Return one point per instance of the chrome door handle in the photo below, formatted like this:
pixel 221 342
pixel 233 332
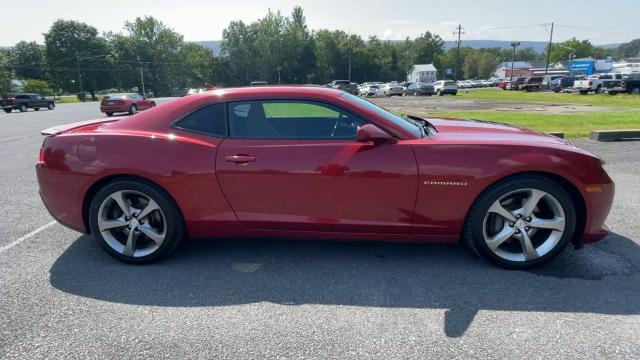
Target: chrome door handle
pixel 240 158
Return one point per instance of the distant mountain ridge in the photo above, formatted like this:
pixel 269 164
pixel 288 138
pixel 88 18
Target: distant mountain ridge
pixel 539 46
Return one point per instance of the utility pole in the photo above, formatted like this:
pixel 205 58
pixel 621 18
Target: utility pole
pixel 279 68
pixel 459 32
pixel 546 72
pixel 350 55
pixel 141 76
pixel 79 76
pixel 514 45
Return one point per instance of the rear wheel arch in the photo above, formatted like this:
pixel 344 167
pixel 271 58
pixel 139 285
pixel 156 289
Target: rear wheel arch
pixel 101 183
pixel 572 190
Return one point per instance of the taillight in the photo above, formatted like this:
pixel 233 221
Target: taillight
pixel 41 156
pixel 590 83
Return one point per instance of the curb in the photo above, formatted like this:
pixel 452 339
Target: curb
pixel 615 135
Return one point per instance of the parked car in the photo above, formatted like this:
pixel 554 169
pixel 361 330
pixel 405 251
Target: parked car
pixel 614 84
pixel 125 103
pixel 345 85
pixel 259 83
pixel 565 82
pixel 514 84
pixel 419 88
pixel 594 83
pixel 532 83
pixel 369 90
pixel 442 87
pixel 503 84
pixel 631 83
pixel 23 102
pixel 213 165
pixel 391 89
pixel 549 80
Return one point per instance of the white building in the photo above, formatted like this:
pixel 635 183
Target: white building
pixel 422 73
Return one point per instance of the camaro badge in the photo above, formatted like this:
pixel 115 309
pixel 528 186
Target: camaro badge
pixel 446 183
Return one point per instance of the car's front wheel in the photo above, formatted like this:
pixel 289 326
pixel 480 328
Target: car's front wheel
pixel 135 222
pixel 521 222
pixel 51 106
pixel 133 109
pixel 23 108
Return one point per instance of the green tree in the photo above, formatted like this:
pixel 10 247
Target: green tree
pixel 150 44
pixel 28 60
pixel 561 51
pixel 5 72
pixel 37 86
pixel 69 41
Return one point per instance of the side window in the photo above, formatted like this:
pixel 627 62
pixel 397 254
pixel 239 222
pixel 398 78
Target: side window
pixel 209 120
pixel 290 119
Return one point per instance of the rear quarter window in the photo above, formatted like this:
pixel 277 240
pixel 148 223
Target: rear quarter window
pixel 209 120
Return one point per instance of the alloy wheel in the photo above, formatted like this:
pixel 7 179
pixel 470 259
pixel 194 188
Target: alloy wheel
pixel 132 223
pixel 524 225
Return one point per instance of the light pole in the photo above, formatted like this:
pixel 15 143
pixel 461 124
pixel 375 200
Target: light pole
pixel 141 76
pixel 279 68
pixel 514 45
pixel 79 77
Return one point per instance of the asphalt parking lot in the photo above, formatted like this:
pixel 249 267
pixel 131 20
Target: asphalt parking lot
pixel 61 296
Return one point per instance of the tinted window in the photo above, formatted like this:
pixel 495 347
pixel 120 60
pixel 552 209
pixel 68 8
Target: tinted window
pixel 210 120
pixel 285 119
pixel 387 115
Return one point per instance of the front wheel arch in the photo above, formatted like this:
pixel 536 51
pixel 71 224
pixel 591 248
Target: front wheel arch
pixel 572 190
pixel 93 190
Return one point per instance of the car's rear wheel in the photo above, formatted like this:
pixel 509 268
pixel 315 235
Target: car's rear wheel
pixel 135 222
pixel 36 109
pixel 439 92
pixel 133 109
pixel 522 222
pixel 635 91
pixel 23 108
pixel 109 113
pixel 8 111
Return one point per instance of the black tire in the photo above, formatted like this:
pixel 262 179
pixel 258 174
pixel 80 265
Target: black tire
pixel 23 108
pixel 133 109
pixel 153 104
pixel 583 92
pixel 109 113
pixel 598 90
pixel 51 106
pixel 613 92
pixel 8 111
pixel 454 93
pixel 635 91
pixel 439 92
pixel 175 229
pixel 473 235
pixel 36 109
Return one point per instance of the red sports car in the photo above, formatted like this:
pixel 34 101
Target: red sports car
pixel 125 103
pixel 319 163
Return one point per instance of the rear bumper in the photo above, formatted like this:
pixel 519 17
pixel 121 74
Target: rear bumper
pixel 114 108
pixel 62 194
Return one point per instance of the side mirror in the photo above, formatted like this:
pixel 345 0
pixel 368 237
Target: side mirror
pixel 369 132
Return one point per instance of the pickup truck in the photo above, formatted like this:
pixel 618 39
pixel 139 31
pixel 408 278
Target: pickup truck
pixel 23 102
pixel 345 85
pixel 532 83
pixel 596 83
pixel 631 83
pixel 619 84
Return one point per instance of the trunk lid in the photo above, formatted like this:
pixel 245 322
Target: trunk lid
pixel 58 129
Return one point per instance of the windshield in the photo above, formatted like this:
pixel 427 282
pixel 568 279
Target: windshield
pixel 405 124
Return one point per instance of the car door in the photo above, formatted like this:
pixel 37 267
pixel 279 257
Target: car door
pixel 295 165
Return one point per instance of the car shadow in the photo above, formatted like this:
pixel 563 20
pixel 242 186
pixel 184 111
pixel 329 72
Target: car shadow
pixel 231 272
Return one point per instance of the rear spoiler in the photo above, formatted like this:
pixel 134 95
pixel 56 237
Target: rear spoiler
pixel 52 131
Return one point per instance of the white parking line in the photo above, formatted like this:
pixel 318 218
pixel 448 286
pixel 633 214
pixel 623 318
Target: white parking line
pixel 23 238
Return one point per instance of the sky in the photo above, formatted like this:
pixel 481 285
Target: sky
pixel 482 19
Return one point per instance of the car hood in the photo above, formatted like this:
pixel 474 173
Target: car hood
pixel 485 131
